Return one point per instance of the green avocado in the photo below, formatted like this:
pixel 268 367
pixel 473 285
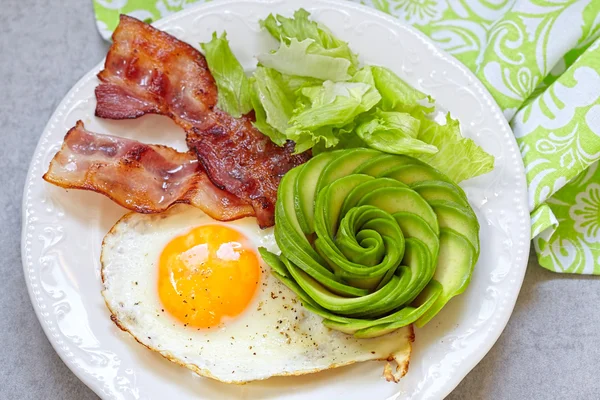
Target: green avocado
pixel 422 266
pixel 274 262
pixel 372 242
pixel 364 258
pixel 454 267
pixel 411 174
pixel 413 226
pixel 328 206
pixel 286 200
pixel 304 188
pixel 378 166
pixel 360 191
pixel 440 190
pixel 365 328
pixel 344 163
pixel 394 200
pixel 295 245
pixel 372 304
pixel 410 314
pixel 458 218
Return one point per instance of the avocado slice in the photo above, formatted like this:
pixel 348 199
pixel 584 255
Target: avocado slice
pixel 379 165
pixel 413 226
pixel 305 187
pixel 395 293
pixel 411 174
pixel 328 205
pixel 365 188
pixel 396 199
pixel 454 267
pixel 312 264
pixel 368 328
pixel 385 305
pixel 344 163
pixel 370 305
pixel 361 242
pixel 286 202
pixel 409 314
pixel 440 190
pixel 342 252
pixel 306 300
pixel 279 270
pixel 273 261
pixel 292 242
pixel 422 267
pixel 369 227
pixel 362 229
pixel 361 233
pixel 459 219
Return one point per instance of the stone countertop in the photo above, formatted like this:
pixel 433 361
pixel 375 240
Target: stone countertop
pixel 549 350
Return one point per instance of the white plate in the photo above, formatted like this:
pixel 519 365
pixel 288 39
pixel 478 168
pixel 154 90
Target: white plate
pixel 62 232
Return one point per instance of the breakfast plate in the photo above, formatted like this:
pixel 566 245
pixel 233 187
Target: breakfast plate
pixel 63 232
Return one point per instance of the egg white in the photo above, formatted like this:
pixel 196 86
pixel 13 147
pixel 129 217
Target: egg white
pixel 274 336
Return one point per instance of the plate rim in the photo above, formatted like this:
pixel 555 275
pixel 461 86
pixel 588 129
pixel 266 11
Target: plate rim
pixel 522 247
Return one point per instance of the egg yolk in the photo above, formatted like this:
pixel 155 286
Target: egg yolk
pixel 206 275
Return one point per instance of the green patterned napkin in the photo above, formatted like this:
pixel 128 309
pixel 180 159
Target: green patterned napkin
pixel 540 60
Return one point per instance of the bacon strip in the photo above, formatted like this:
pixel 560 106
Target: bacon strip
pixel 140 177
pixel 243 161
pixel 149 71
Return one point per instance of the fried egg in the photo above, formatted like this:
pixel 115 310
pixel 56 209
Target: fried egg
pixel 197 292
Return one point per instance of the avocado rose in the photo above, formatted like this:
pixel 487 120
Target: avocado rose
pixel 372 242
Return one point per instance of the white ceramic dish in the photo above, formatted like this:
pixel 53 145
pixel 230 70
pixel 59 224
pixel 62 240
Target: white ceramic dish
pixel 62 232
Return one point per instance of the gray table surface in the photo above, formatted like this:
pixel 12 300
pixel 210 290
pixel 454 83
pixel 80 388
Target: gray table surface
pixel 549 350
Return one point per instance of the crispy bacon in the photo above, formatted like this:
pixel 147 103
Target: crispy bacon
pixel 243 161
pixel 149 71
pixel 143 178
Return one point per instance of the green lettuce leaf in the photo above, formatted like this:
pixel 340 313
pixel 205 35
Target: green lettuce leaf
pixel 261 124
pixel 234 93
pixel 392 132
pixel 365 75
pixel 301 28
pixel 337 103
pixel 296 59
pixel 310 90
pixel 294 83
pixel 275 98
pixel 273 103
pixel 398 95
pixel 458 157
pixel 329 107
pixel 347 139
